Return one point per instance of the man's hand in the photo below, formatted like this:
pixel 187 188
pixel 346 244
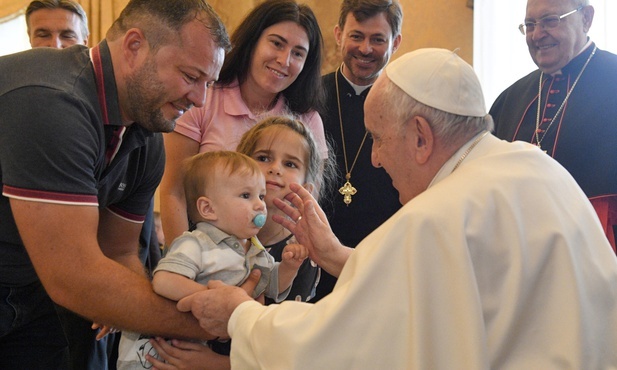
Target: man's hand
pixel 309 224
pixel 213 307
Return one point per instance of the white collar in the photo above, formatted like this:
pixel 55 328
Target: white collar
pixel 357 88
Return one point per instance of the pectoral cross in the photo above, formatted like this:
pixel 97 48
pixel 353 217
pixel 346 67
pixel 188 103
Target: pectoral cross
pixel 347 191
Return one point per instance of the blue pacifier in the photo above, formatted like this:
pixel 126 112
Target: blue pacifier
pixel 259 220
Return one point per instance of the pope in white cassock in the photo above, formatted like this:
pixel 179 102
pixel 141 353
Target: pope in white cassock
pixel 496 261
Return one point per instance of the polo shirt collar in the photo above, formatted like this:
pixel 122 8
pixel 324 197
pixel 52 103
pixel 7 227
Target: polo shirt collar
pixel 234 105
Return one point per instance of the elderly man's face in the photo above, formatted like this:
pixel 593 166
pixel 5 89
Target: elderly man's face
pixel 551 49
pixel 55 28
pixel 391 148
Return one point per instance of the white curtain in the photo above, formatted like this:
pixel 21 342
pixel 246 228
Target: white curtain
pixel 500 52
pixel 13 34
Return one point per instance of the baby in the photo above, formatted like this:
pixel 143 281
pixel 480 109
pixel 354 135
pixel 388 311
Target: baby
pixel 225 199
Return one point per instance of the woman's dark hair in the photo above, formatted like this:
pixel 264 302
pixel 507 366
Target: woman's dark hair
pixel 305 93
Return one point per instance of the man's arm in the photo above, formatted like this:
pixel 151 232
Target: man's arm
pixel 61 241
pixel 119 240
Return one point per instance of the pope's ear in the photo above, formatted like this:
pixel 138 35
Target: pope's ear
pixel 205 209
pixel 424 139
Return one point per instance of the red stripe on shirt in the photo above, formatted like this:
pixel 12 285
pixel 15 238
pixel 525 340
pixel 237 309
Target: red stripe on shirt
pixel 126 215
pixel 48 196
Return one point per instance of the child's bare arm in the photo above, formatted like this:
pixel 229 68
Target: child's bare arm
pixel 174 286
pixel 292 258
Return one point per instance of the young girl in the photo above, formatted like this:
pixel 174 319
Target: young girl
pixel 286 152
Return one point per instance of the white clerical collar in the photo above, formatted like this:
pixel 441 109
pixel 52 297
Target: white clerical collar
pixel 357 88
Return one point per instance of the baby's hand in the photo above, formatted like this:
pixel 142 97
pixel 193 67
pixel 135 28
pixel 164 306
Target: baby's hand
pixel 294 254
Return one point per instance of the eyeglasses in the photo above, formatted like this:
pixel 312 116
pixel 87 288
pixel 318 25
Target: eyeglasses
pixel 546 23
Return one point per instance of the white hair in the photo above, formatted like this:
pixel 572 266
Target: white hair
pixel 448 127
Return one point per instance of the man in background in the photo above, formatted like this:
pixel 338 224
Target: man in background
pixel 567 107
pixel 367 34
pixel 56 23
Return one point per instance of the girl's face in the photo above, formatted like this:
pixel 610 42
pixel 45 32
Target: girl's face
pixel 282 155
pixel 278 57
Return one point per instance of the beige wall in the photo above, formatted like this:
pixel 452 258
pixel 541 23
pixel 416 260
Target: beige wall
pixel 435 23
pixel 427 23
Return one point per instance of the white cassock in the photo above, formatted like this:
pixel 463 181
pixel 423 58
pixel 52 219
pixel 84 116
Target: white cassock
pixel 501 264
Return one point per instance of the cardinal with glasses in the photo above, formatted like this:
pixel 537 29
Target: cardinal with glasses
pixel 567 107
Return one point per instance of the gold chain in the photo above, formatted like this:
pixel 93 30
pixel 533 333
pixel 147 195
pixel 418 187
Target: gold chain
pixel 466 153
pixel 347 190
pixel 538 138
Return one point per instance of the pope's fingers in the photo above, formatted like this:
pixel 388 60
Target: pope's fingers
pixel 213 284
pixel 292 212
pixel 301 191
pixel 285 221
pixel 184 304
pixel 294 199
pixel 298 195
pixel 315 213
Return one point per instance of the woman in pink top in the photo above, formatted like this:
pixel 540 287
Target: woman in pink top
pixel 273 69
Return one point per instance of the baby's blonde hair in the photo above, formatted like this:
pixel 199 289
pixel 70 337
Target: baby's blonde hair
pixel 207 170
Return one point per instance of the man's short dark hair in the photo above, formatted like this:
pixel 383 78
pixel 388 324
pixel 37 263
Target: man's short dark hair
pixel 365 9
pixel 161 20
